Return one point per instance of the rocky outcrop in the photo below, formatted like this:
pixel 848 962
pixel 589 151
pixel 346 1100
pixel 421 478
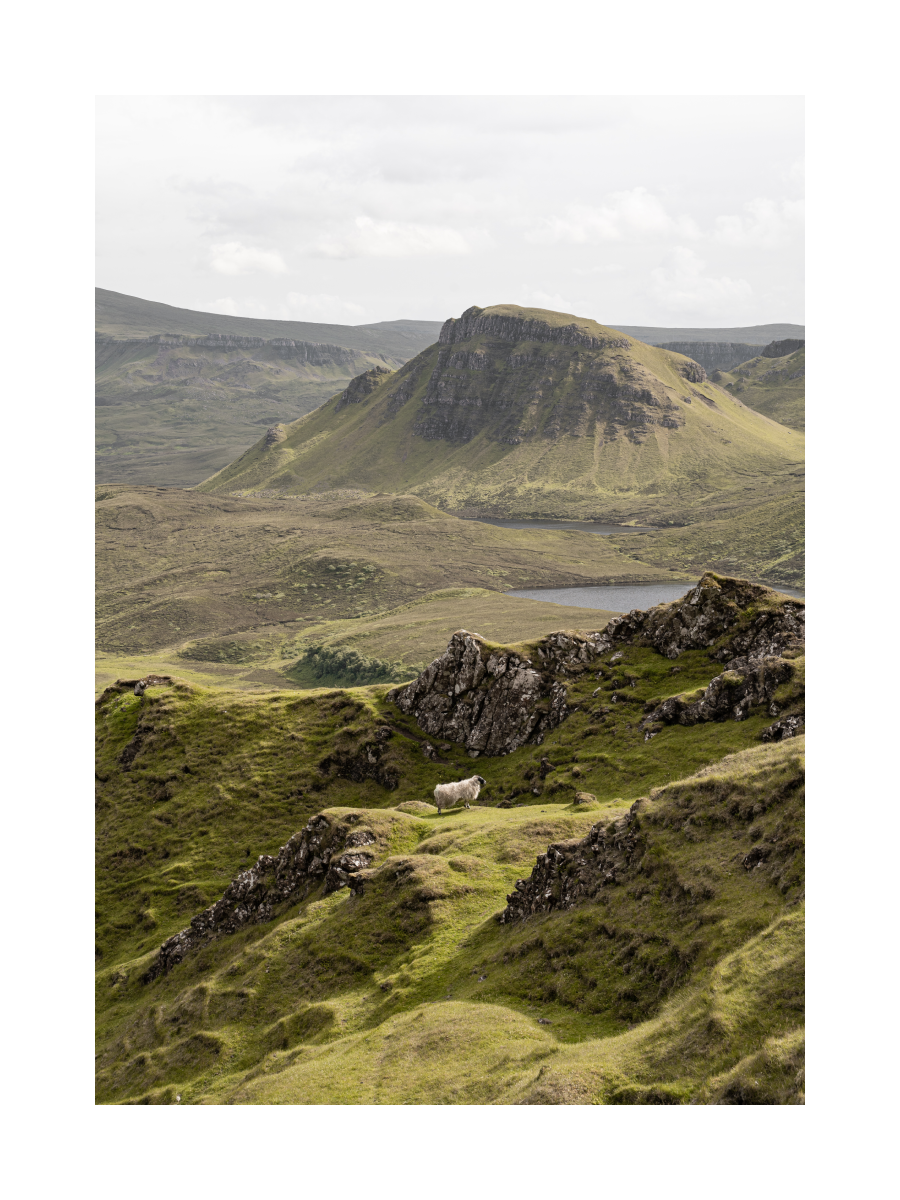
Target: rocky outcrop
pixel 760 623
pixel 493 701
pixel 515 329
pixel 276 434
pixel 362 386
pixel 730 696
pixel 318 354
pixel 330 849
pixel 572 871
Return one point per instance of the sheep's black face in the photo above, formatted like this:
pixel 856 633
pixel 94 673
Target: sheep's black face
pixel 479 779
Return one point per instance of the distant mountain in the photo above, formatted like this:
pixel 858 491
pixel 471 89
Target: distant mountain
pixel 754 335
pixel 531 413
pixel 121 316
pixel 180 393
pixel 772 383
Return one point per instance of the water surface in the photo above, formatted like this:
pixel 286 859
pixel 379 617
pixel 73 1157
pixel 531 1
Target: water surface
pixel 584 526
pixel 619 597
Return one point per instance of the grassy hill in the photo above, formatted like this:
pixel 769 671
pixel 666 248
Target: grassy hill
pixel 179 393
pixel 529 413
pixel 210 576
pixel 679 980
pixel 775 387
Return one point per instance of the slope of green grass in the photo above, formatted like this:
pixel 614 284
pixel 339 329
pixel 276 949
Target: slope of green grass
pixel 775 387
pixel 537 437
pixel 412 993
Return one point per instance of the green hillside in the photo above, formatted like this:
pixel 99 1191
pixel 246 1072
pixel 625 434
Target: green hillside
pixel 650 949
pixel 775 387
pixel 529 413
pixel 170 412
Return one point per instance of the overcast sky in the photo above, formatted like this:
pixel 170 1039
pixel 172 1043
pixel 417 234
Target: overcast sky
pixel 681 211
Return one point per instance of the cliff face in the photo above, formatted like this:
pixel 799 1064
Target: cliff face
pixel 516 378
pixel 714 356
pixel 493 701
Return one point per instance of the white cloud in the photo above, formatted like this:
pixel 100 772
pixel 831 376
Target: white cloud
pixel 320 307
pixel 234 258
pixel 634 213
pixel 682 287
pixel 368 238
pixel 764 223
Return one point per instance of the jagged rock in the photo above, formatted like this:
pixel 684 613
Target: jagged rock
pixel 363 385
pixel 276 434
pixel 494 701
pixel 732 694
pixel 787 727
pixel 576 870
pixel 328 849
pixel 716 606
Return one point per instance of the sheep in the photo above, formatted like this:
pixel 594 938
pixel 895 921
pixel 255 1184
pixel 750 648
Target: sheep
pixel 448 794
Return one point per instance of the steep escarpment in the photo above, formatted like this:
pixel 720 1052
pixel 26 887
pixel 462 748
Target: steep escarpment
pixel 526 412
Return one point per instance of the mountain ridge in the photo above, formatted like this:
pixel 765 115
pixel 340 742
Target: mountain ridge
pixel 525 413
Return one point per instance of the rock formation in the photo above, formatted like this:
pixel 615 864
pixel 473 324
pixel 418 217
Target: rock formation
pixel 494 700
pixel 330 849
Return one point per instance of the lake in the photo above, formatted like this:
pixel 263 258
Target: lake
pixel 584 526
pixel 619 597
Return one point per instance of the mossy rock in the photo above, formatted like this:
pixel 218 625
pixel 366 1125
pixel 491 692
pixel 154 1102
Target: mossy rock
pixel 584 802
pixel 416 806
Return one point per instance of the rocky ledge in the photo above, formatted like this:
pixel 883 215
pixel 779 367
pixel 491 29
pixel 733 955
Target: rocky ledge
pixel 475 321
pixel 329 849
pixel 493 700
pixel 363 385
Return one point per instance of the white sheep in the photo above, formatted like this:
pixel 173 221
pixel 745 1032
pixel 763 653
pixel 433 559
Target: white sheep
pixel 448 794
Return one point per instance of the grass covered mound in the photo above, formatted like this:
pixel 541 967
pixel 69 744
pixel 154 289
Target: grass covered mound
pixel 387 976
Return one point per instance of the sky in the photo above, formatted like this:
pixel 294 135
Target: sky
pixel 684 211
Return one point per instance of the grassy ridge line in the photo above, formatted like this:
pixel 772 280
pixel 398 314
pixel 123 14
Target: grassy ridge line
pixel 123 316
pixel 174 566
